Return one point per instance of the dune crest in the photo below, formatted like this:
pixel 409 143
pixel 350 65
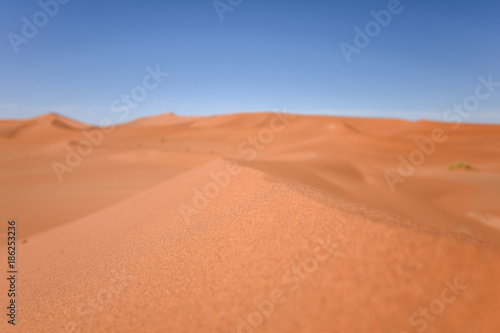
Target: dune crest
pixel 250 245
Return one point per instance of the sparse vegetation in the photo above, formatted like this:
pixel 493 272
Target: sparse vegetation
pixel 460 165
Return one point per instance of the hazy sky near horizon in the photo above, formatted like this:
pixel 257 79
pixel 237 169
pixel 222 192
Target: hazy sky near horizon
pixel 84 58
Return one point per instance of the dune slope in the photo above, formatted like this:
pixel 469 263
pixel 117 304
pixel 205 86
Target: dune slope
pixel 263 255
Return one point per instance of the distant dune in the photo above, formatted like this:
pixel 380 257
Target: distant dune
pixel 42 127
pixel 166 119
pixel 189 224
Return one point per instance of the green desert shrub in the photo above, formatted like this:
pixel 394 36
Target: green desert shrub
pixel 460 165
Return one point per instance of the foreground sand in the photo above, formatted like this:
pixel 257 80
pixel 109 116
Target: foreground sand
pixel 158 229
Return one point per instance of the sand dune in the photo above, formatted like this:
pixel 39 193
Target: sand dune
pixel 166 119
pixel 208 273
pixel 253 223
pixel 47 126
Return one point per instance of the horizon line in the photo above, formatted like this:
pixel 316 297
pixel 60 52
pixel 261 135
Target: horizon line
pixel 64 116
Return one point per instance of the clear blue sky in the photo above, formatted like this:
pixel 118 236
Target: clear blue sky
pixel 264 55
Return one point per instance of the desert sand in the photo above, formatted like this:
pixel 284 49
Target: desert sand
pixel 262 222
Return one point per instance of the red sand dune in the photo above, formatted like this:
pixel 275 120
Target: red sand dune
pixel 157 229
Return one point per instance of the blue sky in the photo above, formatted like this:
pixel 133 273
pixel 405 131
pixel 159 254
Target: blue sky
pixel 264 55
